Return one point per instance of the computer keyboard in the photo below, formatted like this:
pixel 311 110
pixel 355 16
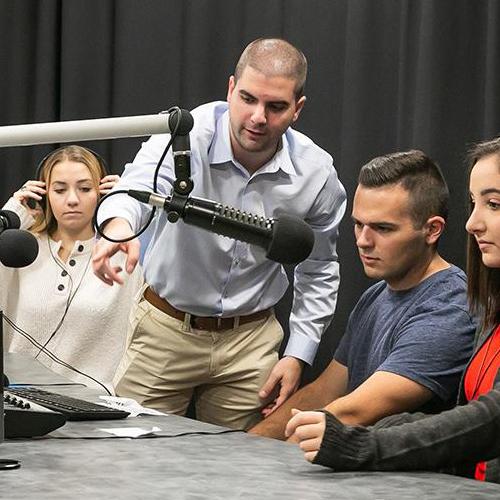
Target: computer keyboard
pixel 72 408
pixel 24 419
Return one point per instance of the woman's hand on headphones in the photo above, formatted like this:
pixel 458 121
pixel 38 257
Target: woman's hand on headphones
pixel 108 183
pixel 31 190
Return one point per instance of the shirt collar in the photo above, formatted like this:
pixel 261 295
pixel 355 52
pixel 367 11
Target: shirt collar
pixel 221 152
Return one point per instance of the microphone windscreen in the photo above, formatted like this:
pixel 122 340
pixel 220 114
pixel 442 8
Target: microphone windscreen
pixel 13 221
pixel 182 119
pixel 292 241
pixel 18 248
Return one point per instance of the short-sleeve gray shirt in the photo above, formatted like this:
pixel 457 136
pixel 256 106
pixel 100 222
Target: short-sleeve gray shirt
pixel 424 334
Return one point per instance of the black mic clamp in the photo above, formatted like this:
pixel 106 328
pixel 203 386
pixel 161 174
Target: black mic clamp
pixel 181 123
pixel 175 206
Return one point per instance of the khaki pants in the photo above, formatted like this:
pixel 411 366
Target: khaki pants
pixel 164 366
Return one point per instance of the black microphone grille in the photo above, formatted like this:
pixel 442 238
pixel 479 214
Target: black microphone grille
pixel 18 248
pixel 182 119
pixel 292 241
pixel 12 219
pixel 235 214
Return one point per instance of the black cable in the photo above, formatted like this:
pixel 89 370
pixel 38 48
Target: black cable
pixel 43 348
pixel 155 436
pixel 155 187
pixel 50 354
pixel 71 295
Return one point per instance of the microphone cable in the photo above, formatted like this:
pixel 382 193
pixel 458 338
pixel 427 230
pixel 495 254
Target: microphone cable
pixel 42 347
pixel 50 354
pixel 173 135
pixel 71 295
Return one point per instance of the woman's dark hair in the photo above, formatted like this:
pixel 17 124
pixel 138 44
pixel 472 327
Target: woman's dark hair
pixel 483 283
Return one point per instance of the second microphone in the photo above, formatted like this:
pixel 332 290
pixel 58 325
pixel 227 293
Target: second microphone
pixel 286 239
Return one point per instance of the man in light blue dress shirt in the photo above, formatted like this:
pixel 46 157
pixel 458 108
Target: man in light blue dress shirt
pixel 205 326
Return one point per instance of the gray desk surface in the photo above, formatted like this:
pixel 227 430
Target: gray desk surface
pixel 195 466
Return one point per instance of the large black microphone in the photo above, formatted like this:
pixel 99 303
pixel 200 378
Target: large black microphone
pixel 9 220
pixel 286 239
pixel 18 248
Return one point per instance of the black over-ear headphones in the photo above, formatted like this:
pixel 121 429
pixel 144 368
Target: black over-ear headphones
pixel 38 172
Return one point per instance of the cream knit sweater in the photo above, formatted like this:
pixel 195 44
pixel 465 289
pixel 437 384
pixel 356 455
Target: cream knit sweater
pixel 92 335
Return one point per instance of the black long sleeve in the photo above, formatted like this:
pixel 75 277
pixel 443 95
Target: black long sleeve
pixel 469 433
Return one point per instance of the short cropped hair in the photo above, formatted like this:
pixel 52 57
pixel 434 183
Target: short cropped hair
pixel 418 174
pixel 275 57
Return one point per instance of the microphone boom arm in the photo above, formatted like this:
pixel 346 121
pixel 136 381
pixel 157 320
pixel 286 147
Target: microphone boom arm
pixel 84 130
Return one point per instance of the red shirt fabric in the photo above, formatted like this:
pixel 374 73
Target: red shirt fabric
pixel 480 377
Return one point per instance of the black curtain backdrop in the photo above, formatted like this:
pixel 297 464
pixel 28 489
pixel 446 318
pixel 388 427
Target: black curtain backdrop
pixel 384 75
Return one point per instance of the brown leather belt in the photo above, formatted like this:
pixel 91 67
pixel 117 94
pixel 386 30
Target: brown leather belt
pixel 202 322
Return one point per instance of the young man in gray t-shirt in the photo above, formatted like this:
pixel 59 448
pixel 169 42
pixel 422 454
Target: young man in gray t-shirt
pixel 409 336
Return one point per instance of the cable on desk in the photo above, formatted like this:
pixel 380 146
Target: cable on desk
pixel 154 436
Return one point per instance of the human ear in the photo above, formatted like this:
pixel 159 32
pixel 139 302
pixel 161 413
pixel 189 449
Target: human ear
pixel 298 107
pixel 434 228
pixel 230 87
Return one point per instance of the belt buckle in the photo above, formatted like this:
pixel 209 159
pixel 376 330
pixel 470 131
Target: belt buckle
pixel 186 324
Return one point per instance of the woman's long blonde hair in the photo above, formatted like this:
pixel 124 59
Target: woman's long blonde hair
pixel 45 221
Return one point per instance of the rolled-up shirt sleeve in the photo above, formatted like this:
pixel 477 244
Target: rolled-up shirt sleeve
pixel 316 280
pixel 139 175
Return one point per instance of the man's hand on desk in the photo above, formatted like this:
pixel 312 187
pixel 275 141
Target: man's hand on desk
pixel 104 250
pixel 283 380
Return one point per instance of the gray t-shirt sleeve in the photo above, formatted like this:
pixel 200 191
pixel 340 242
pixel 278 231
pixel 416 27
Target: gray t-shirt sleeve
pixel 431 349
pixel 354 331
pixel 342 353
pixel 424 334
